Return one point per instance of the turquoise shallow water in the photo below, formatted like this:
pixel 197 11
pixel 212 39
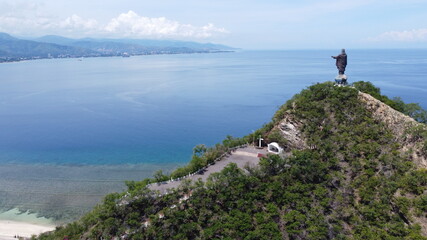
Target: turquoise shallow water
pixel 83 127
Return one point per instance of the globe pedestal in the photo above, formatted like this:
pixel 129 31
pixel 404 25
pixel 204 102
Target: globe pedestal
pixel 341 80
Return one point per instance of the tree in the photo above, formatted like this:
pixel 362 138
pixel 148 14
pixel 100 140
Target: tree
pixel 159 176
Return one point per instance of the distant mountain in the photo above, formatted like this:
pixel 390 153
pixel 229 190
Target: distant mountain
pixel 93 43
pixel 52 46
pixel 13 49
pixel 55 39
pixel 5 36
pixel 172 43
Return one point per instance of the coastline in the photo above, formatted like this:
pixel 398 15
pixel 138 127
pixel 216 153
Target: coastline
pixel 14 223
pixel 63 193
pixel 9 229
pixel 103 56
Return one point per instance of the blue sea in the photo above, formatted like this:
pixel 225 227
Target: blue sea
pixel 124 118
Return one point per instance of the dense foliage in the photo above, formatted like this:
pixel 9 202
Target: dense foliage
pixel 354 182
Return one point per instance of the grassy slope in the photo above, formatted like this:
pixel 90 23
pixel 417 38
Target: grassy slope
pixel 353 183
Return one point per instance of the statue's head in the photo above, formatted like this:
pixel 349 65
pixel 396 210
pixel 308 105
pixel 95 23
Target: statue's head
pixel 343 50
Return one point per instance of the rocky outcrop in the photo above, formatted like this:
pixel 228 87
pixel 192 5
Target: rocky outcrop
pixel 397 121
pixel 290 129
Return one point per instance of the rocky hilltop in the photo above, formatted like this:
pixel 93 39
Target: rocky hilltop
pixel 353 167
pixel 397 122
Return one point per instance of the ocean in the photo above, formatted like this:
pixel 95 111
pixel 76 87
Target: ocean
pixel 73 130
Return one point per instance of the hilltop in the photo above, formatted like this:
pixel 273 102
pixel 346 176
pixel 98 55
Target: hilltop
pixel 354 167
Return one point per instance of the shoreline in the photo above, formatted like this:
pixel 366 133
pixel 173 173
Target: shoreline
pixel 105 56
pixel 10 228
pixel 24 224
pixel 63 193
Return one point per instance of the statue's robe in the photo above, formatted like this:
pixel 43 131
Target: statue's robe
pixel 341 62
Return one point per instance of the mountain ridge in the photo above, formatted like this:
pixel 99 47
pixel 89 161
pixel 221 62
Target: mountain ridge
pixel 143 42
pixel 5 36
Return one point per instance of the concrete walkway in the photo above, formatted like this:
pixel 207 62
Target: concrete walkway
pixel 241 157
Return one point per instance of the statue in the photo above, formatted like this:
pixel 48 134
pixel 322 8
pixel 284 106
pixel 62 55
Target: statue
pixel 341 63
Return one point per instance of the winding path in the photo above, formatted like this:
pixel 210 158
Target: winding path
pixel 240 156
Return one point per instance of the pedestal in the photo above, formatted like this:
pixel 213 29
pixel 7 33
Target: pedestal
pixel 341 80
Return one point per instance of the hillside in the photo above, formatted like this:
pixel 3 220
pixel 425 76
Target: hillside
pixel 13 49
pixel 354 167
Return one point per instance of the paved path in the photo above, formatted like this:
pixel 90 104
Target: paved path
pixel 241 156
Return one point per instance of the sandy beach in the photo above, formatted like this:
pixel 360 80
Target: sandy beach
pixel 9 229
pixel 13 223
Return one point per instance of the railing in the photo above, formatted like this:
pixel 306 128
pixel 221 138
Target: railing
pixel 229 151
pixel 203 168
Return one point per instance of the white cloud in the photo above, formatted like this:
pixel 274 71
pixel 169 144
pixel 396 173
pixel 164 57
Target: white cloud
pixel 414 35
pixel 300 11
pixel 131 24
pixel 128 24
pixel 47 25
pixel 18 25
pixel 76 22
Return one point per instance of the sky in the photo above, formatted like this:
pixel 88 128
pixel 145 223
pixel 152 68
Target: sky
pixel 247 24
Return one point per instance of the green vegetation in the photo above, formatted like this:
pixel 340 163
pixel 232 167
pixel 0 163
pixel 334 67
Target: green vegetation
pixel 354 183
pixel 202 157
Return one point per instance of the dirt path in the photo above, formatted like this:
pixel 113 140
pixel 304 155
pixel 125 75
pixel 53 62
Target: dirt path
pixel 241 156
